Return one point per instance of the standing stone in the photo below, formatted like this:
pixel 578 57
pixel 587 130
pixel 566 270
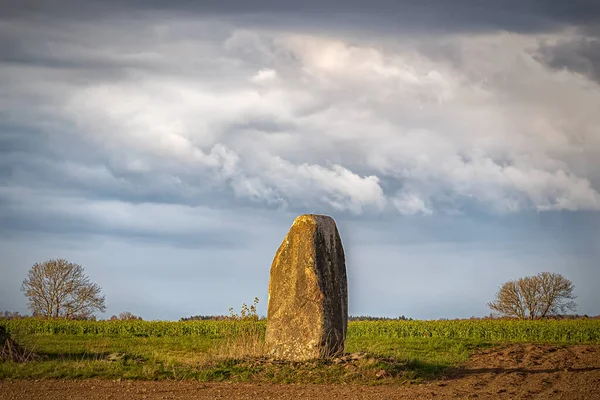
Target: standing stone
pixel 307 313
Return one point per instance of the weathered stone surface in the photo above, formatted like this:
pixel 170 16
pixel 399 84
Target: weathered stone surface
pixel 307 313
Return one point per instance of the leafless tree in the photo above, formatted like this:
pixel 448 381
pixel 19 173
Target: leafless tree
pixel 11 315
pixel 538 296
pixel 556 293
pixel 125 316
pixel 60 289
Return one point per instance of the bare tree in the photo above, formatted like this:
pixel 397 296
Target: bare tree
pixel 509 301
pixel 11 315
pixel 125 316
pixel 532 297
pixel 556 294
pixel 60 289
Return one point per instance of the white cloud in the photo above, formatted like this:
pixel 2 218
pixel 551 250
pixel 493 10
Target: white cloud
pixel 410 204
pixel 324 122
pixel 264 76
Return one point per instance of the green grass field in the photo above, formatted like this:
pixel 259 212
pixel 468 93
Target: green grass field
pixel 197 357
pixel 201 350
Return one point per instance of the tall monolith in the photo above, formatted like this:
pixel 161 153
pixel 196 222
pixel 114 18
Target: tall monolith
pixel 307 314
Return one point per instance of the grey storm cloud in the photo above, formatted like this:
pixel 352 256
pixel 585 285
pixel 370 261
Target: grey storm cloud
pixel 172 143
pixel 31 213
pixel 194 110
pixel 580 55
pixel 195 103
pixel 460 15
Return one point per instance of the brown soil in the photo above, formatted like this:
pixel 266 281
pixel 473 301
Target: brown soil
pixel 514 372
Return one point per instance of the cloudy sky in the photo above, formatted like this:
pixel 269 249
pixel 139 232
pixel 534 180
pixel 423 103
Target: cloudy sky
pixel 168 148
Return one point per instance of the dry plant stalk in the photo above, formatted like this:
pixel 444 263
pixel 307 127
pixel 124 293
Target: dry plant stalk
pixel 11 351
pixel 245 345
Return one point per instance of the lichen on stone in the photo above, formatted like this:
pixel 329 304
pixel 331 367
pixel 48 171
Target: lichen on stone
pixel 307 313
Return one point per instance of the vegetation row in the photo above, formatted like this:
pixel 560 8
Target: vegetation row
pixel 557 331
